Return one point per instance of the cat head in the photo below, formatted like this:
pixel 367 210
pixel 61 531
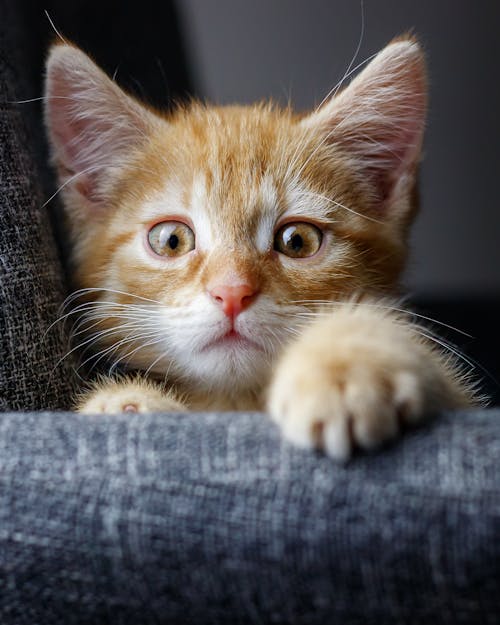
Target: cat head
pixel 208 233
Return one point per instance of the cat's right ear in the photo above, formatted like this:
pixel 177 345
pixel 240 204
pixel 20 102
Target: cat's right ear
pixel 93 126
pixel 377 122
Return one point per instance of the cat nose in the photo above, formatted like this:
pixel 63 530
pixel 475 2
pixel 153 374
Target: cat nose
pixel 233 299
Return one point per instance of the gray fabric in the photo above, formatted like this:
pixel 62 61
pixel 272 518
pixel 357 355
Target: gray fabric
pixel 31 287
pixel 213 520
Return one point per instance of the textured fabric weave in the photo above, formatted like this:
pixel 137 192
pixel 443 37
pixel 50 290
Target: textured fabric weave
pixel 214 520
pixel 31 288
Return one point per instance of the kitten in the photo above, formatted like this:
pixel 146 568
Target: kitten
pixel 240 257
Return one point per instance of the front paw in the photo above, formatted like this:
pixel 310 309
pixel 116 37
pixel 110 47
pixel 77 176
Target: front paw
pixel 118 396
pixel 348 383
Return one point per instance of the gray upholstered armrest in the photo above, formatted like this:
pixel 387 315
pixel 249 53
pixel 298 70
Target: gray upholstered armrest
pixel 213 519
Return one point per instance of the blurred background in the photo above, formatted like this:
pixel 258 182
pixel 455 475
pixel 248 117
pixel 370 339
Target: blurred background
pixel 296 50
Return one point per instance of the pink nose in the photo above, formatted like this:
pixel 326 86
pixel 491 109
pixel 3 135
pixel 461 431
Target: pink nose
pixel 233 299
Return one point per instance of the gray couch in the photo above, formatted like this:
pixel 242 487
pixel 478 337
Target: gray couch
pixel 209 518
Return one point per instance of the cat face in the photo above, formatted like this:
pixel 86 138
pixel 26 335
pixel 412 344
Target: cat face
pixel 208 235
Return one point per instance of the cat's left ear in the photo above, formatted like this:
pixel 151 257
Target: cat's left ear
pixel 93 126
pixel 377 122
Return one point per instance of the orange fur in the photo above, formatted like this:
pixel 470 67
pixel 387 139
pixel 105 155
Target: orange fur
pixel 235 175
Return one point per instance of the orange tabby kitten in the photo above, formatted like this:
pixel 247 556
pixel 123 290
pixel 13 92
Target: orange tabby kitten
pixel 237 256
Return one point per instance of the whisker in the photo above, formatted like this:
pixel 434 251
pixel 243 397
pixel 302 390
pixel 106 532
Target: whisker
pixel 93 321
pixel 87 170
pixel 162 355
pixel 86 291
pixel 70 180
pixel 54 27
pixel 108 350
pixel 89 307
pixel 40 98
pixel 339 204
pixel 445 345
pixel 103 334
pixel 410 313
pixel 355 56
pixel 129 355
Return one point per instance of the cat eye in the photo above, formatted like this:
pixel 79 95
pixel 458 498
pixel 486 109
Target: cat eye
pixel 298 240
pixel 171 238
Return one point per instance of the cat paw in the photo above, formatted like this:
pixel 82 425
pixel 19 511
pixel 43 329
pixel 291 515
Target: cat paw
pixel 115 397
pixel 343 385
pixel 353 407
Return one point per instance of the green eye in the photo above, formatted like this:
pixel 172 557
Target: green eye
pixel 298 240
pixel 171 238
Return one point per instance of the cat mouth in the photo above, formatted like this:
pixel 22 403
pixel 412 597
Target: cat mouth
pixel 232 340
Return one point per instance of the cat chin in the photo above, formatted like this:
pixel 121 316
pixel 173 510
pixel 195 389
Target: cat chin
pixel 227 369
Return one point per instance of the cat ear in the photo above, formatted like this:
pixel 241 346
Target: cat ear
pixel 93 126
pixel 378 123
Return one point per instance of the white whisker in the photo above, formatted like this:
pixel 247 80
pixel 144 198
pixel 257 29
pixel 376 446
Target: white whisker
pixel 87 291
pixel 87 170
pixel 349 67
pixel 128 355
pixel 54 27
pixel 115 346
pixel 410 313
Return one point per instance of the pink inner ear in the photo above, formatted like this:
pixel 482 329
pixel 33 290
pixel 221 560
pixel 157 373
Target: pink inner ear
pixel 378 119
pixel 73 134
pixel 384 137
pixel 62 117
pixel 394 150
pixel 92 124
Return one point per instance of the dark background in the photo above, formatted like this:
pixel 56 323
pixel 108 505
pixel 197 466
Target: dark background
pixel 246 50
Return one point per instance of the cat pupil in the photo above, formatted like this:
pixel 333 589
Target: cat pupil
pixel 297 243
pixel 173 241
